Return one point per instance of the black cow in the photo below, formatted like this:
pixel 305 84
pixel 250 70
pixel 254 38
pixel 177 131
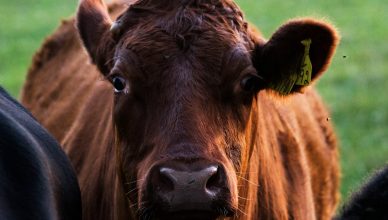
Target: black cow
pixel 36 178
pixel 371 202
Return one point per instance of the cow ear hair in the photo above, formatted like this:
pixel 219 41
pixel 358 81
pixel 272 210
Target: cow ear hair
pixel 297 47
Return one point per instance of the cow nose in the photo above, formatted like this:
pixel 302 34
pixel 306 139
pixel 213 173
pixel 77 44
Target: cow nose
pixel 189 187
pixel 204 181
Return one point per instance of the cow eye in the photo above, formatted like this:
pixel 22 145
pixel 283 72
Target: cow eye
pixel 119 83
pixel 251 83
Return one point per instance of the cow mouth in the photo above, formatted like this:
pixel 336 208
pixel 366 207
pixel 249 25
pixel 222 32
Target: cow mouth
pixel 158 214
pixel 189 215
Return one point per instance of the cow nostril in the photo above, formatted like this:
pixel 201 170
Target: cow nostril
pixel 213 183
pixel 163 181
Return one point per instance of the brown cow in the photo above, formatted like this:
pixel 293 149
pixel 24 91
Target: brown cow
pixel 190 114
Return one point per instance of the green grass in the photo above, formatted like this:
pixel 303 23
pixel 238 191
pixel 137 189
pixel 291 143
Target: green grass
pixel 23 26
pixel 355 87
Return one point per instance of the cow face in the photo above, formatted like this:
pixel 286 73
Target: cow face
pixel 185 76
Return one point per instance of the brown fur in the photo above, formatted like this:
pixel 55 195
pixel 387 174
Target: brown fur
pixel 184 62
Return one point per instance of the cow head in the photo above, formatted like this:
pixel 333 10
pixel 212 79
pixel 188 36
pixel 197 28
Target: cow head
pixel 186 77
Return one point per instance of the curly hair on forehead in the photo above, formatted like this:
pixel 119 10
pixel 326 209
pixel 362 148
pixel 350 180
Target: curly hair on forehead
pixel 183 19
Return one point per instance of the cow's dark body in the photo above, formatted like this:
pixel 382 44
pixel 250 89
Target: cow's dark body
pixel 371 201
pixel 36 178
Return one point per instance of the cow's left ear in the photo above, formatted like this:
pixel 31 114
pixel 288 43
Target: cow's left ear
pixel 297 54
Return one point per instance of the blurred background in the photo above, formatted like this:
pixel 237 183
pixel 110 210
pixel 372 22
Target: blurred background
pixel 355 87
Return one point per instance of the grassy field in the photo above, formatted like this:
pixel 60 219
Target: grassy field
pixel 355 87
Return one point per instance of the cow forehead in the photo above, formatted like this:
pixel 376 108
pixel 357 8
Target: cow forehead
pixel 184 23
pixel 178 7
pixel 198 35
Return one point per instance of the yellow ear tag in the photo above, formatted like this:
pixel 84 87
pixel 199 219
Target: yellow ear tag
pixel 304 76
pixel 285 86
pixel 301 75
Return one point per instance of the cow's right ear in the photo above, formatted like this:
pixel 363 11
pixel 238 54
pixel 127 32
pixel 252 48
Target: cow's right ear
pixel 94 23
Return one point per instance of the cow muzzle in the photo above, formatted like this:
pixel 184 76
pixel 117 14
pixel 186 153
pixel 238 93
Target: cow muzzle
pixel 182 190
